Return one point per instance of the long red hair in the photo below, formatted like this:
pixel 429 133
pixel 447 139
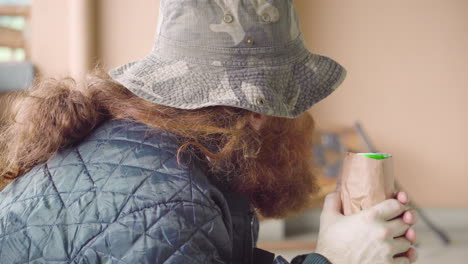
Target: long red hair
pixel 55 114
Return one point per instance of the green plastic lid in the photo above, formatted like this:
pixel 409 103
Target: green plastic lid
pixel 377 156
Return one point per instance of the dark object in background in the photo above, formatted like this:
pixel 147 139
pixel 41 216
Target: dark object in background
pixel 328 153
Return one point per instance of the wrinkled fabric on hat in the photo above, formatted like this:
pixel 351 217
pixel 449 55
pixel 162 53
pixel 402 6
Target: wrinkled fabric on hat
pixel 248 54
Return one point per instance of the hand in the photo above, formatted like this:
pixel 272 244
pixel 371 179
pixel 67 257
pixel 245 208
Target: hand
pixel 376 235
pixel 410 218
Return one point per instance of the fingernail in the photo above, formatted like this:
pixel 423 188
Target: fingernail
pixel 404 197
pixel 411 236
pixel 409 217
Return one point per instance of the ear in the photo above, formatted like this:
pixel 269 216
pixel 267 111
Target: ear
pixel 257 120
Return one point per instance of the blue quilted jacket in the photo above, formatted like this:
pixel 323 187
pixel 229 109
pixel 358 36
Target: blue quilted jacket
pixel 119 196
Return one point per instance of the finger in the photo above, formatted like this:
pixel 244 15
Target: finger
pixel 401 260
pixel 388 209
pixel 396 228
pixel 338 184
pixel 400 245
pixel 411 235
pixel 412 255
pixel 410 217
pixel 332 203
pixel 402 197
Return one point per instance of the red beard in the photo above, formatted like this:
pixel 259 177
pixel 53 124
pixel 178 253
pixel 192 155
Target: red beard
pixel 279 177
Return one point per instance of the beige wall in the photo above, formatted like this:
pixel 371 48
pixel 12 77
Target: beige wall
pixel 49 36
pixel 406 82
pixel 124 32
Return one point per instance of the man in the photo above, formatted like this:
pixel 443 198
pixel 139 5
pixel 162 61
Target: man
pixel 170 160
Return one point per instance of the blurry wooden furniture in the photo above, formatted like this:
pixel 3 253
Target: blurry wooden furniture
pixel 15 75
pixel 14 10
pixel 14 38
pixel 329 149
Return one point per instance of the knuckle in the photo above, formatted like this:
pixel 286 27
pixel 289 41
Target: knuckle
pixel 395 205
pixel 387 252
pixel 372 214
pixel 401 225
pixel 404 244
pixel 385 233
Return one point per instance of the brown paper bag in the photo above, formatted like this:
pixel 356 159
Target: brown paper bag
pixel 365 181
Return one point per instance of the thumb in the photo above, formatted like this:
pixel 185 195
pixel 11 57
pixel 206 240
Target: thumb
pixel 332 203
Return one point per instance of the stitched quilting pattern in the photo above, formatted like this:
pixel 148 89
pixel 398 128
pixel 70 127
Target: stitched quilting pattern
pixel 117 197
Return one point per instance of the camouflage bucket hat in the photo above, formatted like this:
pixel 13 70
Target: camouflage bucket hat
pixel 248 54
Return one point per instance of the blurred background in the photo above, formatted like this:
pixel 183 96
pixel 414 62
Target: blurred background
pixel 407 84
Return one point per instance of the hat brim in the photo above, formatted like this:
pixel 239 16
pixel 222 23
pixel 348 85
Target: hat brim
pixel 281 90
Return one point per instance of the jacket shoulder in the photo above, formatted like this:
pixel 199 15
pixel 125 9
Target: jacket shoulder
pixel 123 172
pixel 131 160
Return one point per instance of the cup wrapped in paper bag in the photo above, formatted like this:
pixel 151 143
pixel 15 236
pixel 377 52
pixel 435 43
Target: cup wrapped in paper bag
pixel 366 180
